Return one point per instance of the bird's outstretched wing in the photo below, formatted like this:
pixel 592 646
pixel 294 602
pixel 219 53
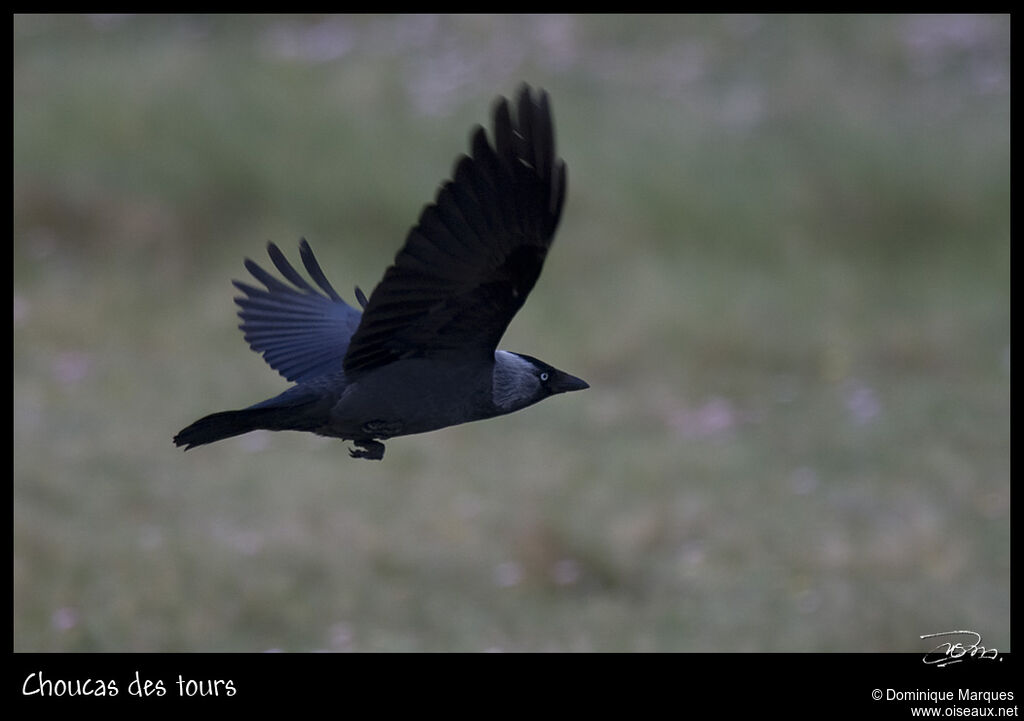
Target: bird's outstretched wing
pixel 468 265
pixel 301 332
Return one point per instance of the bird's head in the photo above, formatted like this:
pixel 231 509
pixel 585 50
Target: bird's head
pixel 521 380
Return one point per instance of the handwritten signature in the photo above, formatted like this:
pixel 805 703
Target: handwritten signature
pixel 950 652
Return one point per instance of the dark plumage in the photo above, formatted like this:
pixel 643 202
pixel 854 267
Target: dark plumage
pixel 422 354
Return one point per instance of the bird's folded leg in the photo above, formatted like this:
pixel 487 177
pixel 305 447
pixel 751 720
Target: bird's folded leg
pixel 370 450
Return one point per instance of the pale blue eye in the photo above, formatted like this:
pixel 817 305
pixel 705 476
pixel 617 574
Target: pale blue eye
pixel 544 376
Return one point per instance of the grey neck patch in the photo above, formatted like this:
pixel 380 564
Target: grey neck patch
pixel 515 381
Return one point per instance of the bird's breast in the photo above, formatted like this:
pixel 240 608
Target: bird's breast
pixel 413 396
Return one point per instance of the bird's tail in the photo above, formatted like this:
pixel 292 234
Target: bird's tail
pixel 218 426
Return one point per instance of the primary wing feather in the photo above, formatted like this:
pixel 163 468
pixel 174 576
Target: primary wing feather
pixel 469 263
pixel 301 332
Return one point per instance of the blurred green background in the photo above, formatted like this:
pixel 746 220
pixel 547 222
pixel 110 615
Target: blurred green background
pixel 783 267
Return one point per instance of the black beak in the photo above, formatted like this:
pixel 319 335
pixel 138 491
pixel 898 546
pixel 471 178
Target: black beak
pixel 563 382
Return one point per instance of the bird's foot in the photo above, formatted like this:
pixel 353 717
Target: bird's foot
pixel 370 450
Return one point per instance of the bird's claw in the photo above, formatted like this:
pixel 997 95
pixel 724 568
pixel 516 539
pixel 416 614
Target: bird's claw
pixel 370 450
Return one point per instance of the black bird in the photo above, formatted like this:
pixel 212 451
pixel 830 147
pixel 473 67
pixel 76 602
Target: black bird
pixel 423 353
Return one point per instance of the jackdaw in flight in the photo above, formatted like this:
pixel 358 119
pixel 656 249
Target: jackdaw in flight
pixel 422 354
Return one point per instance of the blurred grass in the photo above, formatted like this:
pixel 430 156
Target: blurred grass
pixel 783 268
